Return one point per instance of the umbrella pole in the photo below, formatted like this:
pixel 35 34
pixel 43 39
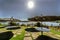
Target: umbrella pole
pixel 41 32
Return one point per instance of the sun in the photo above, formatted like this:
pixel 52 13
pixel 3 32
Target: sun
pixel 30 4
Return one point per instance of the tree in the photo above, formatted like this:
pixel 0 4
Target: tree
pixel 38 24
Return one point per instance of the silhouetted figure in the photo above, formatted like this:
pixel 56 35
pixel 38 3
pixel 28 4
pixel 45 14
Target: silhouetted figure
pixel 38 24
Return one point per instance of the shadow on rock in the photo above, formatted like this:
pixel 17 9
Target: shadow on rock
pixel 43 37
pixel 31 30
pixel 6 35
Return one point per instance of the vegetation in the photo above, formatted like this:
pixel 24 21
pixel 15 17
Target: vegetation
pixel 12 23
pixel 2 24
pixel 23 25
pixel 38 24
pixel 44 18
pixel 55 32
pixel 19 37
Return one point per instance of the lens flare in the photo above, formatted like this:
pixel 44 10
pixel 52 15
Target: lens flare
pixel 30 4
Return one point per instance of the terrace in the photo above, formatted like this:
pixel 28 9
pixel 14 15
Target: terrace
pixel 30 34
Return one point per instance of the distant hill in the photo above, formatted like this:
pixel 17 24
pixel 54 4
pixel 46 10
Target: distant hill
pixel 44 18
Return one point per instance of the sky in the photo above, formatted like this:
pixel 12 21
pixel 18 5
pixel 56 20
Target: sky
pixel 19 9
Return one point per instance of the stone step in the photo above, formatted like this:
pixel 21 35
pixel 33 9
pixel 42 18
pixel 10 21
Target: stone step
pixel 27 38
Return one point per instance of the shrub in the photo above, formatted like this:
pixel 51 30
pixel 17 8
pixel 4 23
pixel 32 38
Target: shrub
pixel 12 23
pixel 23 25
pixel 38 24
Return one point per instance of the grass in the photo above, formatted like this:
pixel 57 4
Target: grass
pixel 55 32
pixel 2 24
pixel 19 37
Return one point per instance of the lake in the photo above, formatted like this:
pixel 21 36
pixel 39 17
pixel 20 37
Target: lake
pixel 45 23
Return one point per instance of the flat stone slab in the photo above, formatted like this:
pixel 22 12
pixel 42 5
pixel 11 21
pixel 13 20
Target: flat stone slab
pixel 14 35
pixel 35 35
pixel 27 38
pixel 27 34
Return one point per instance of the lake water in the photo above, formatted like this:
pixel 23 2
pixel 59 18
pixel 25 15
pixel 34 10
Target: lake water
pixel 45 23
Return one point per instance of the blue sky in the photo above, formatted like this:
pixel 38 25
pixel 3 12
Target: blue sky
pixel 18 8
